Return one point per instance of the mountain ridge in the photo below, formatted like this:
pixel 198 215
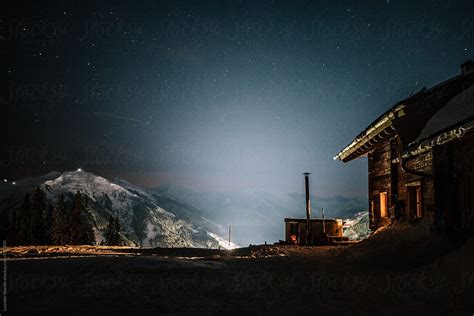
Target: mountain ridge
pixel 145 222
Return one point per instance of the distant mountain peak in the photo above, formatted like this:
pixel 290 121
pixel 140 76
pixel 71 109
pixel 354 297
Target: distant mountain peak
pixel 145 221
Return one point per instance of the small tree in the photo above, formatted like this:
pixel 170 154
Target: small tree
pixel 112 232
pixel 22 222
pixel 48 223
pixel 37 226
pixel 59 231
pixel 5 220
pixel 12 229
pixel 80 222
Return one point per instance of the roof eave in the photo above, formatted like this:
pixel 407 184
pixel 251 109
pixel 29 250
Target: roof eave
pixel 361 144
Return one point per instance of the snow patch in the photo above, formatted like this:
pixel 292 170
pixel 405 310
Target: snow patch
pixel 357 227
pixel 222 242
pixel 151 232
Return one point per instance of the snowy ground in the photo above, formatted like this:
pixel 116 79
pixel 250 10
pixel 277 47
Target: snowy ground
pixel 400 271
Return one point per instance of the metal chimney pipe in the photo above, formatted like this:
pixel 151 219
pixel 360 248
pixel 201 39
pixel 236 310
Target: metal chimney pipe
pixel 308 208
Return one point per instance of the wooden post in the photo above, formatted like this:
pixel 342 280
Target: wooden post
pixel 308 209
pixel 324 224
pixel 230 228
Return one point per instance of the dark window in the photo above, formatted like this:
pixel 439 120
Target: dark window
pixel 415 202
pixel 294 229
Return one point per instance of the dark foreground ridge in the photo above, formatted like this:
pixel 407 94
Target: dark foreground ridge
pixel 400 269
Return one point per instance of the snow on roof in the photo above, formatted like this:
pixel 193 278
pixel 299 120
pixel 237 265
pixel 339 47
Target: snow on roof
pixel 440 139
pixel 455 112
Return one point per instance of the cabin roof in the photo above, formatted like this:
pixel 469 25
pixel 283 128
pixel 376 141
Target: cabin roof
pixel 457 110
pixel 407 118
pixel 452 121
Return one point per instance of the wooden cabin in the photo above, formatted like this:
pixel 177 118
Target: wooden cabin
pixel 312 231
pixel 421 158
pixel 295 230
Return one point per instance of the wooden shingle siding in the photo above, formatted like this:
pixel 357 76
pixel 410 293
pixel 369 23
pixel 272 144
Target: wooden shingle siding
pixel 380 179
pixel 385 175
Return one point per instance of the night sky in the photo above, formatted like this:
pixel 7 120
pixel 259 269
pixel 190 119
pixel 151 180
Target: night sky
pixel 218 95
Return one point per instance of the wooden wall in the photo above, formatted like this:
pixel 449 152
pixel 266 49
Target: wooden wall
pixel 333 227
pixel 386 174
pixel 454 169
pixel 445 175
pixel 423 164
pixel 379 181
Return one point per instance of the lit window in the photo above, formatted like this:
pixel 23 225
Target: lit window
pixel 383 204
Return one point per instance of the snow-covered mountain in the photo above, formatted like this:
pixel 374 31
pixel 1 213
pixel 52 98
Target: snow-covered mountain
pixel 144 220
